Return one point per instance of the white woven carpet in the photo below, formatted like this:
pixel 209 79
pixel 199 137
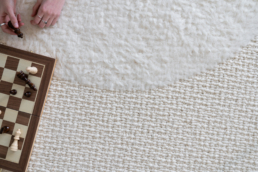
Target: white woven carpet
pixel 117 44
pixel 206 123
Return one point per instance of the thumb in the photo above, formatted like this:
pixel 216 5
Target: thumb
pixel 14 21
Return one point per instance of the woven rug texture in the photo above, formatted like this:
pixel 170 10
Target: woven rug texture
pixel 206 123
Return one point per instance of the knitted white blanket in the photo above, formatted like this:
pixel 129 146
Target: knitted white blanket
pixel 116 44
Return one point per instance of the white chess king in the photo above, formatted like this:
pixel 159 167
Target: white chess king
pixel 32 70
pixel 14 146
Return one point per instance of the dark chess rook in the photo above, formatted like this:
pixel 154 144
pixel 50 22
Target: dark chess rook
pixel 22 76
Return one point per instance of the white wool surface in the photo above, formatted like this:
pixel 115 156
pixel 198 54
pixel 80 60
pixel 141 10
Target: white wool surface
pixel 141 44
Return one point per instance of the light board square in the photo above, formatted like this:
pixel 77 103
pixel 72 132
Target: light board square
pixel 26 106
pixel 4 99
pixel 10 115
pixel 20 90
pixel 8 75
pixel 23 129
pixel 3 58
pixel 23 64
pixel 13 156
pixel 5 139
pixel 35 80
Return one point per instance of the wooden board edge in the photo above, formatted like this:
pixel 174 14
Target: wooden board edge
pixel 10 48
pixel 41 115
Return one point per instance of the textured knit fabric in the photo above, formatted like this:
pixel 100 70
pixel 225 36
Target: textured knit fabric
pixel 206 123
pixel 139 44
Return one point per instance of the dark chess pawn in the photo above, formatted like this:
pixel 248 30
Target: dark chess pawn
pixel 13 92
pixel 27 94
pixel 4 129
pixel 16 30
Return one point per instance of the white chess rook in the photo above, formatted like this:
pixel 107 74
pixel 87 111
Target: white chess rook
pixel 14 146
pixel 32 70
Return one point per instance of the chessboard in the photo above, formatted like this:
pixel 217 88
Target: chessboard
pixel 19 111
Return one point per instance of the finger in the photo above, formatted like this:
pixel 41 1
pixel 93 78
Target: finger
pixel 37 19
pixel 19 20
pixel 42 23
pixel 11 14
pixel 50 21
pixel 54 21
pixel 21 24
pixel 7 19
pixel 6 29
pixel 35 9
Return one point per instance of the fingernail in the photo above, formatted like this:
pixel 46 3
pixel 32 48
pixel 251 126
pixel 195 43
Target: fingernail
pixel 16 25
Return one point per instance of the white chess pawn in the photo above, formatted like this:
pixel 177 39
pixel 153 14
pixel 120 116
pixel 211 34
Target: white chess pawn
pixel 14 146
pixel 32 70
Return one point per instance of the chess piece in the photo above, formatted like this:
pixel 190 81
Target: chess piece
pixel 22 76
pixel 4 129
pixel 32 70
pixel 0 112
pixel 16 30
pixel 14 146
pixel 27 94
pixel 13 92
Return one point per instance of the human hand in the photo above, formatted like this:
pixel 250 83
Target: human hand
pixel 7 13
pixel 46 11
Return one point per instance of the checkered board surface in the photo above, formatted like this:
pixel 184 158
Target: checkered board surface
pixel 16 109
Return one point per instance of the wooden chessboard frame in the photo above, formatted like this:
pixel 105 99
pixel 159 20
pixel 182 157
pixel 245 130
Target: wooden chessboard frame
pixel 38 108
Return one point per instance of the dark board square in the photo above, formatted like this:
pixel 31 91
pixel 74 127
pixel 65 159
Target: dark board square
pixel 1 72
pixel 3 151
pixel 33 94
pixel 19 81
pixel 3 111
pixel 12 63
pixel 8 124
pixel 14 103
pixel 40 69
pixel 23 118
pixel 20 142
pixel 5 87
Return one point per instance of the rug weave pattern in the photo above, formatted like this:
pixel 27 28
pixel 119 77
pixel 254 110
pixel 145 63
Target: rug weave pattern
pixel 207 123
